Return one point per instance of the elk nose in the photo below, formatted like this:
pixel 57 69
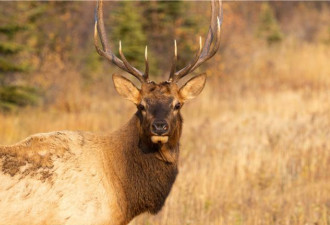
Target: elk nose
pixel 159 127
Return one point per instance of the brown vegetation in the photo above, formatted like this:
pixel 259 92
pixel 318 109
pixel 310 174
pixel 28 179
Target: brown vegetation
pixel 257 151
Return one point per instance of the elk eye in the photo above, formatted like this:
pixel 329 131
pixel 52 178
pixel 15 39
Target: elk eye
pixel 141 107
pixel 177 106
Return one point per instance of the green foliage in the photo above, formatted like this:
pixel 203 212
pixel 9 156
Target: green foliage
pixel 166 21
pixel 184 27
pixel 128 29
pixel 10 48
pixel 269 28
pixel 14 56
pixel 169 12
pixel 13 96
pixel 9 51
pixel 11 29
pixel 92 66
pixel 9 67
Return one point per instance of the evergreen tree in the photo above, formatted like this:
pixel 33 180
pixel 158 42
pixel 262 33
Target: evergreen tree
pixel 127 27
pixel 169 20
pixel 269 28
pixel 14 59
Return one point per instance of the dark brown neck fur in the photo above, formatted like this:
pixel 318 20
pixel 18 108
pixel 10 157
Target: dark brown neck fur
pixel 145 180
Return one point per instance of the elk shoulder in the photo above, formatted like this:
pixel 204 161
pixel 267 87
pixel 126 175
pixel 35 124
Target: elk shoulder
pixel 54 178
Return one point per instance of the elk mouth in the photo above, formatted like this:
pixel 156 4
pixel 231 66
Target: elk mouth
pixel 159 139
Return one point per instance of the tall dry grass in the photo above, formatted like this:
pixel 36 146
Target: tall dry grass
pixel 255 146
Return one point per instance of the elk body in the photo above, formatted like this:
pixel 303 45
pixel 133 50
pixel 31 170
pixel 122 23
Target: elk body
pixel 82 178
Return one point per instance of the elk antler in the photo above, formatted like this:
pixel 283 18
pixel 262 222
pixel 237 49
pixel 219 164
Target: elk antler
pixel 205 52
pixel 109 55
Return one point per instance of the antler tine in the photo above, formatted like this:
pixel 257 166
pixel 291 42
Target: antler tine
pixel 214 50
pixel 175 57
pixel 146 71
pixel 215 27
pixel 129 67
pixel 100 23
pixel 106 51
pixel 204 52
pixel 186 69
pixel 99 29
pixel 109 56
pixel 208 54
pixel 210 34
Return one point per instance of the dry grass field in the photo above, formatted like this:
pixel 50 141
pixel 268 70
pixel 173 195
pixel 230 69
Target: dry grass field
pixel 255 146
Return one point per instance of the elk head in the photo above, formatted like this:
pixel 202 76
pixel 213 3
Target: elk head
pixel 158 105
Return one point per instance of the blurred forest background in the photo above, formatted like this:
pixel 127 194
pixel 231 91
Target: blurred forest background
pixel 256 143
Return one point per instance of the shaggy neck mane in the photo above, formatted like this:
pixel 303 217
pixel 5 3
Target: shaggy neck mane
pixel 146 179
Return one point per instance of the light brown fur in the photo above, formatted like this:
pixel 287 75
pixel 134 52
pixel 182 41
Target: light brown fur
pixel 53 178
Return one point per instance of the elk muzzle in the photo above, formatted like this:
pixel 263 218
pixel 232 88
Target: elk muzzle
pixel 159 129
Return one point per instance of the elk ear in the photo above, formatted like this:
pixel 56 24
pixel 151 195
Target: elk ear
pixel 193 87
pixel 126 88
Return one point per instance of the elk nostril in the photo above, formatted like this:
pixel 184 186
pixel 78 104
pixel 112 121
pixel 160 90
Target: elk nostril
pixel 160 127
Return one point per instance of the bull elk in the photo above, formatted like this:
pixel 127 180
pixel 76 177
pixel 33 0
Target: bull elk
pixel 82 178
